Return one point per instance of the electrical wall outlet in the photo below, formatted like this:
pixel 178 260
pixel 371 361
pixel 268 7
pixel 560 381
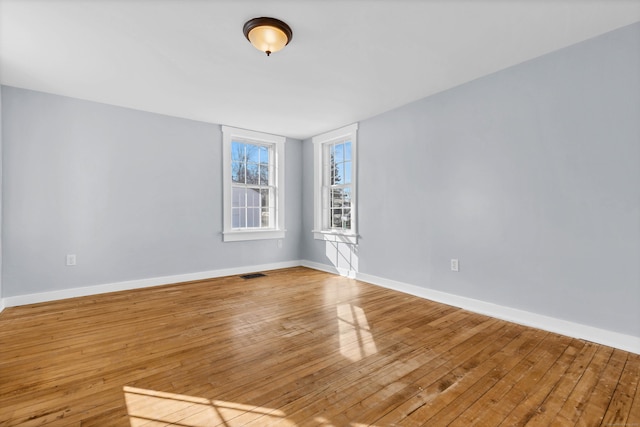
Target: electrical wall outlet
pixel 454 264
pixel 279 243
pixel 71 259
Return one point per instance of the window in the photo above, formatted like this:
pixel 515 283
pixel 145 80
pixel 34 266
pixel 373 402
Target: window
pixel 335 185
pixel 253 167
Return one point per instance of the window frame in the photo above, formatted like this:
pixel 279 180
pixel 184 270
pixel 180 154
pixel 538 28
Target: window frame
pixel 276 146
pixel 321 176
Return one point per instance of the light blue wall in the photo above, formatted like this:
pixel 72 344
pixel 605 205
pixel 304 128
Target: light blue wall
pixel 1 292
pixel 530 177
pixel 134 195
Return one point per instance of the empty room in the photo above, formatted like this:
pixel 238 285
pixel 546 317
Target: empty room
pixel 320 213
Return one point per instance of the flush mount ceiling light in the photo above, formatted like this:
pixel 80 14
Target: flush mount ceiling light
pixel 267 34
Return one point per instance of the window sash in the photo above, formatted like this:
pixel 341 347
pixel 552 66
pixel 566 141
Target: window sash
pixel 334 154
pixel 244 207
pixel 246 214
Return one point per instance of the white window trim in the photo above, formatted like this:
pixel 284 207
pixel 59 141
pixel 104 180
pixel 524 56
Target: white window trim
pixel 319 233
pixel 229 234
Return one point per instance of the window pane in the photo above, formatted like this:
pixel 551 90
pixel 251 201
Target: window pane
pixel 339 153
pixel 237 151
pixel 253 174
pixel 265 198
pixel 346 197
pixel 253 153
pixel 238 197
pixel 347 151
pixel 266 215
pixel 253 217
pixel 264 154
pixel 336 197
pixel 238 218
pixel 264 174
pixel 339 173
pixel 332 166
pixel 347 173
pixel 346 219
pixel 237 172
pixel 336 218
pixel 253 198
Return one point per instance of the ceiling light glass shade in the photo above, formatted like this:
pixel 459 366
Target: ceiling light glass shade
pixel 267 34
pixel 268 39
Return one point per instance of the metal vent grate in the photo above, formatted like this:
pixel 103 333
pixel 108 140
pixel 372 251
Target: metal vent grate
pixel 253 275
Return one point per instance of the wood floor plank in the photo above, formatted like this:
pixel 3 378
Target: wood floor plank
pixel 433 374
pixel 455 363
pixel 596 406
pixel 473 383
pixel 547 412
pixel 518 413
pixel 297 347
pixel 634 411
pixel 342 385
pixel 499 401
pixel 348 385
pixel 621 402
pixel 576 402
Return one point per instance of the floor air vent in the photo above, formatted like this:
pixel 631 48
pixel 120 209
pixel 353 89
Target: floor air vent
pixel 252 275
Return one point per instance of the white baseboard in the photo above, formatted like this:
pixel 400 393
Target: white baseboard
pixel 329 268
pixel 142 283
pixel 551 324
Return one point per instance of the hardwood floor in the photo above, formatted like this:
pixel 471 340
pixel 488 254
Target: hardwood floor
pixel 298 347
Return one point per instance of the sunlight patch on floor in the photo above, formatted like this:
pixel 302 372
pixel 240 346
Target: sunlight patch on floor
pixel 155 408
pixel 356 339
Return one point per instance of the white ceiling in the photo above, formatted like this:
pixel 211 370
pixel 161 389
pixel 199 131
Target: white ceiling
pixel 348 60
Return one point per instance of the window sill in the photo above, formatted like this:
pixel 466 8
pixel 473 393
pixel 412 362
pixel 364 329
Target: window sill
pixel 243 235
pixel 333 236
